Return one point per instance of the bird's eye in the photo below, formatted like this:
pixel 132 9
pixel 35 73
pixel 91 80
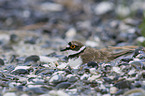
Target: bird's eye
pixel 72 46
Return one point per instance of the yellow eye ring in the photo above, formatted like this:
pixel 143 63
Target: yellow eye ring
pixel 72 46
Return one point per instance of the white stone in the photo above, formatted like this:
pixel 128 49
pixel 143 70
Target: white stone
pixel 36 79
pixel 131 71
pixel 58 93
pixel 85 76
pixel 103 7
pixel 53 78
pixel 4 37
pixel 24 95
pixel 62 66
pixel 113 90
pixel 141 39
pixel 22 79
pixel 47 59
pixel 10 94
pixel 116 69
pixel 69 75
pixel 102 86
pixel 21 67
pixel 92 43
pixel 122 10
pixel 94 77
pixel 32 75
pixel 32 86
pixel 84 24
pixel 51 7
pixel 71 33
pixel 106 95
pixel 46 65
pixel 93 70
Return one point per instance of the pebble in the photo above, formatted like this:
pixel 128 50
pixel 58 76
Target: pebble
pixel 57 93
pixel 20 71
pixel 63 85
pixel 135 92
pixel 106 79
pixel 14 38
pixel 10 94
pixel 92 64
pixel 55 79
pixel 123 84
pixel 46 59
pixel 113 90
pixel 36 90
pixel 62 66
pixel 72 78
pixel 33 58
pixel 103 8
pixel 1 62
pixel 120 91
pixel 92 70
pixel 71 33
pixel 51 7
pixel 122 11
pixel 92 43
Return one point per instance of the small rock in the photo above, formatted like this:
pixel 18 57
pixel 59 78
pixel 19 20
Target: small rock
pixel 137 64
pixel 33 58
pixel 138 84
pixel 55 79
pixel 57 93
pixel 122 11
pixel 71 33
pixel 92 64
pixel 103 8
pixel 72 78
pixel 135 92
pixel 47 59
pixel 31 40
pixel 63 85
pixel 106 79
pixel 120 91
pixel 35 90
pixel 10 94
pixel 123 84
pixel 51 7
pixel 62 66
pixel 20 71
pixel 92 43
pixel 14 38
pixel 92 70
pixel 113 90
pixel 1 62
pixel 104 91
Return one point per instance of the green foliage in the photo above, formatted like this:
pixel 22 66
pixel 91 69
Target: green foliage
pixel 142 27
pixel 141 43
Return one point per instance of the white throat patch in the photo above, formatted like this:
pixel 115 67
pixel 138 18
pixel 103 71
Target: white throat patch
pixel 75 62
pixel 71 52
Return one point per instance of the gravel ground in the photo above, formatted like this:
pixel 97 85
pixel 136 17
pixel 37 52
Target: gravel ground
pixel 33 32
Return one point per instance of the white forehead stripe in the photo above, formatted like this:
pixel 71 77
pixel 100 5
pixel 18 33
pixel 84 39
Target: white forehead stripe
pixel 71 52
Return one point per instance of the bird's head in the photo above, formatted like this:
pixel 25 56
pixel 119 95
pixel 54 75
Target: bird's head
pixel 74 47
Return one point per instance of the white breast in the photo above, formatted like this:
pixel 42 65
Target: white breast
pixel 75 62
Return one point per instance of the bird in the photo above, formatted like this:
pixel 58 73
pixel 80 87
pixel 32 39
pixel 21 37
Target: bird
pixel 78 53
